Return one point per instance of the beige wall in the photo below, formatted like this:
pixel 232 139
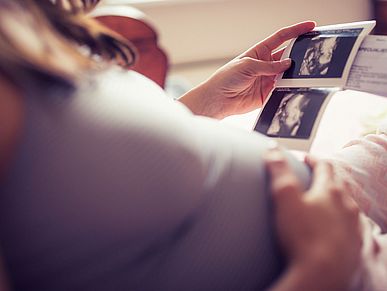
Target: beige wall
pixel 202 30
pixel 201 35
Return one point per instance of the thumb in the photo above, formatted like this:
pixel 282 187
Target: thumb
pixel 284 185
pixel 266 68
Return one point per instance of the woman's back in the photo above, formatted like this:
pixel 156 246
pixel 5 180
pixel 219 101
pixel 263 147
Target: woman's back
pixel 118 187
pixel 11 119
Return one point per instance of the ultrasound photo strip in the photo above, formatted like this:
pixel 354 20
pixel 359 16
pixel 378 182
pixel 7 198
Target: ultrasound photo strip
pixel 322 60
pixel 324 56
pixel 292 115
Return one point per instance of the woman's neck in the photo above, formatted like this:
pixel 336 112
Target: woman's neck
pixel 11 121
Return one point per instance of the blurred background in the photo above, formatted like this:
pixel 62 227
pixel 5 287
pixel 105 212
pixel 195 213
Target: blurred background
pixel 201 35
pixel 196 37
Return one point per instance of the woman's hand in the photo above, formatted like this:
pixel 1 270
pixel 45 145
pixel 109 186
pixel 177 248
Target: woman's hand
pixel 319 230
pixel 244 83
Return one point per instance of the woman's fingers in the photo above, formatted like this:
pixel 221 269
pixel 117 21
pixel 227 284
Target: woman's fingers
pixel 255 67
pixel 276 56
pixel 323 178
pixel 311 161
pixel 285 186
pixel 287 33
pixel 328 185
pixel 337 188
pixel 263 49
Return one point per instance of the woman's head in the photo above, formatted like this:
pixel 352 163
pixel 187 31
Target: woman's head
pixel 76 6
pixel 41 42
pixel 43 47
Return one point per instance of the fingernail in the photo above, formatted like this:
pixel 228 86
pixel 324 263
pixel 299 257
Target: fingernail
pixel 287 62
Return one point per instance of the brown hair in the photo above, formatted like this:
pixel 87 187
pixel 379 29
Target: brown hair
pixel 48 43
pixel 76 6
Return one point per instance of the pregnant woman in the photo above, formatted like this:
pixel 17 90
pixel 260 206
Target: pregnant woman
pixel 112 186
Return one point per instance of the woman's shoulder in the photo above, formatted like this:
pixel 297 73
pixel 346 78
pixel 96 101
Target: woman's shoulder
pixel 123 82
pixel 120 93
pixel 117 114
